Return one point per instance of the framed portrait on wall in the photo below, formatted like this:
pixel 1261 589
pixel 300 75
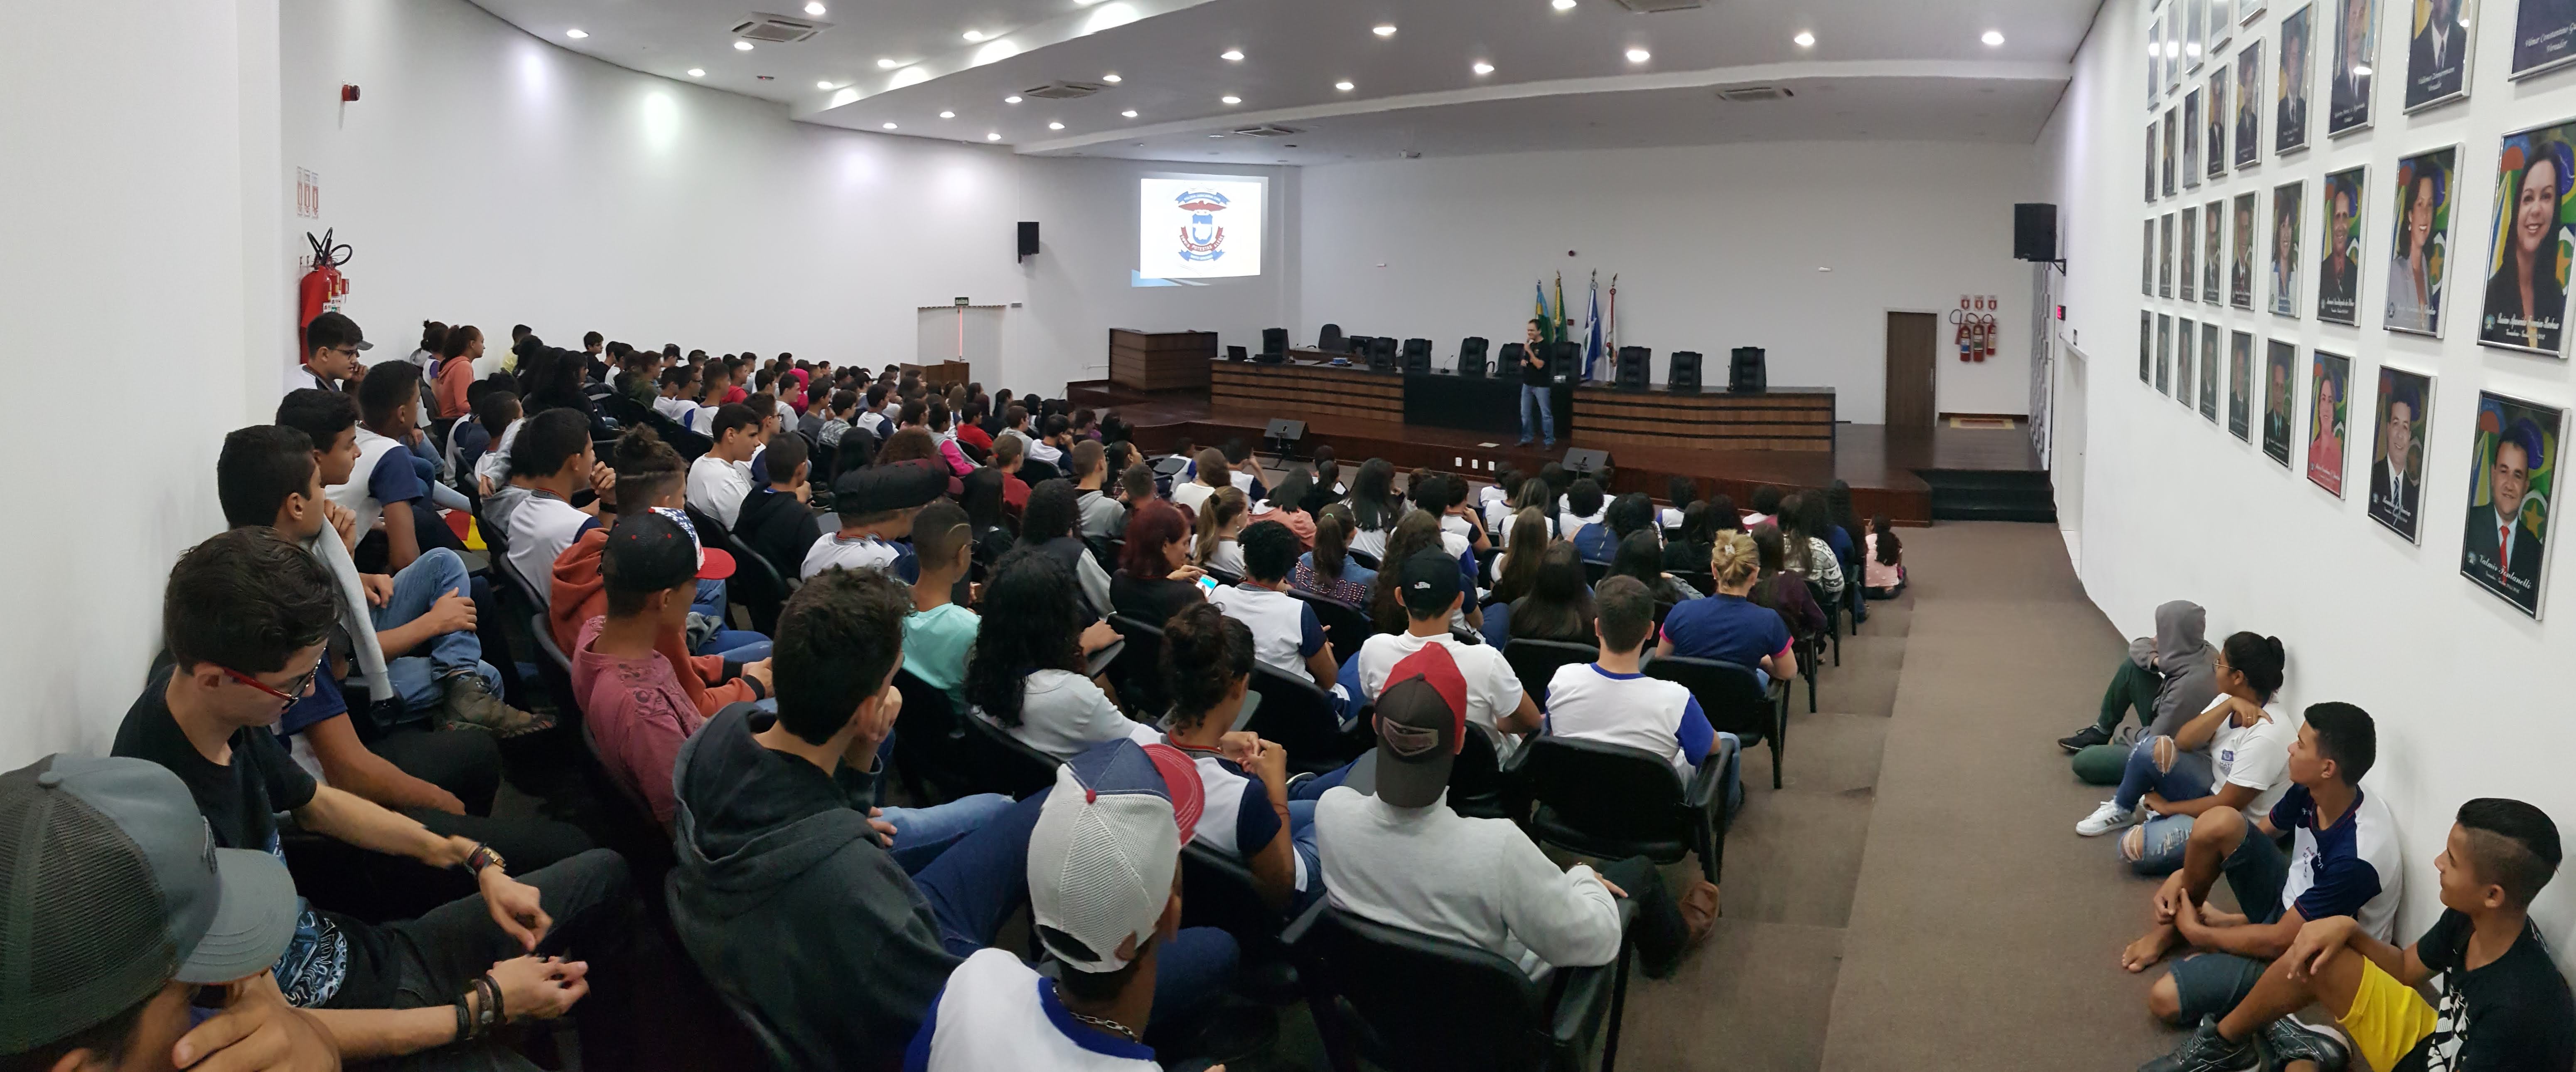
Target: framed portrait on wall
pixel 2529 243
pixel 2286 211
pixel 2249 103
pixel 2164 353
pixel 2165 256
pixel 2213 217
pixel 2278 358
pixel 2146 347
pixel 2339 249
pixel 2185 333
pixel 2187 245
pixel 2348 81
pixel 2155 60
pixel 2147 260
pixel 2240 385
pixel 2420 254
pixel 2191 140
pixel 2151 162
pixel 2329 377
pixel 2544 36
pixel 2209 371
pixel 2240 270
pixel 2399 428
pixel 2195 16
pixel 2290 83
pixel 2173 143
pixel 2513 475
pixel 2214 129
pixel 2222 25
pixel 2440 42
pixel 2246 10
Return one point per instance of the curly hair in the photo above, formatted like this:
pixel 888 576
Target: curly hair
pixel 1032 621
pixel 1205 654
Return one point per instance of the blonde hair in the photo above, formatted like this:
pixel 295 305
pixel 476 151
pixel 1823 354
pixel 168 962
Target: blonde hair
pixel 1733 560
pixel 1217 511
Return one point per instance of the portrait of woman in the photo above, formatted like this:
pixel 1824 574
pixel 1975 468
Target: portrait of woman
pixel 2285 248
pixel 2526 300
pixel 2339 249
pixel 2325 420
pixel 2422 248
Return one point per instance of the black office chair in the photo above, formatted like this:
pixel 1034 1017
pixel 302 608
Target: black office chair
pixel 1002 764
pixel 1417 355
pixel 1033 471
pixel 1274 340
pixel 1733 700
pixel 759 585
pixel 1471 355
pixel 1330 340
pixel 1410 1002
pixel 930 753
pixel 1594 570
pixel 1217 890
pixel 1611 802
pixel 1382 352
pixel 555 669
pixel 1301 718
pixel 1833 616
pixel 1536 662
pixel 1363 558
pixel 1137 672
pixel 1223 577
pixel 1345 628
pixel 1477 788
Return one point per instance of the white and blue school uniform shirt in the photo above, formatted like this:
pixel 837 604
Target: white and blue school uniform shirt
pixel 1236 818
pixel 716 487
pixel 376 482
pixel 998 1015
pixel 855 552
pixel 1585 702
pixel 2352 868
pixel 540 529
pixel 1284 628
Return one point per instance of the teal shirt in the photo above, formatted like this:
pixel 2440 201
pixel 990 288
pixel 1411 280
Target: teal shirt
pixel 935 643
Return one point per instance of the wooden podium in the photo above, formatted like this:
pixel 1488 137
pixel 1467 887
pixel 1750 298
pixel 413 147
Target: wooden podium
pixel 1160 360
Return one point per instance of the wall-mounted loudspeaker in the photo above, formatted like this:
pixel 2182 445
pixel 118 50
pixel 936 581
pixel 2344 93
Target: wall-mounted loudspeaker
pixel 1685 371
pixel 1636 367
pixel 2035 232
pixel 1028 238
pixel 1471 356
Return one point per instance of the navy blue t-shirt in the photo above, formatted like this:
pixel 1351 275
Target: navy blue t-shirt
pixel 394 479
pixel 1729 628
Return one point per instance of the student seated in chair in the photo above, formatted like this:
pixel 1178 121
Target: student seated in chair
pixel 1729 627
pixel 876 508
pixel 1582 506
pixel 1103 517
pixel 554 456
pixel 720 478
pixel 1029 669
pixel 1614 702
pixel 2166 680
pixel 648 475
pixel 775 521
pixel 1431 594
pixel 1400 857
pixel 2503 1003
pixel 2344 863
pixel 1286 635
pixel 940 631
pixel 1207 666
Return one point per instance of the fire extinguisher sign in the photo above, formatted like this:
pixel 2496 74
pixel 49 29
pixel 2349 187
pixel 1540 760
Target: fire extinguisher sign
pixel 308 194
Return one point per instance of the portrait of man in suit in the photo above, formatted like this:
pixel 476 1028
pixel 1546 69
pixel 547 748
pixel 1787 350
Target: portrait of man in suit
pixel 2290 85
pixel 2356 35
pixel 2396 457
pixel 2338 270
pixel 2240 385
pixel 2437 59
pixel 2544 35
pixel 2276 400
pixel 2215 140
pixel 2240 273
pixel 2249 103
pixel 2503 547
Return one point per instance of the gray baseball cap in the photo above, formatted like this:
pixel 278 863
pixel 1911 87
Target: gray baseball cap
pixel 111 886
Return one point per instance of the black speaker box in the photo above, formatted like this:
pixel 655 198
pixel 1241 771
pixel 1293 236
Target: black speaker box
pixel 2035 232
pixel 1471 356
pixel 1581 461
pixel 1746 372
pixel 1684 375
pixel 1028 238
pixel 1636 367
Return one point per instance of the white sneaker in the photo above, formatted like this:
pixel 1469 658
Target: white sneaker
pixel 2109 817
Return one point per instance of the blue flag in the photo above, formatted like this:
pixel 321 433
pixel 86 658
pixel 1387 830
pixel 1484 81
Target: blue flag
pixel 1592 330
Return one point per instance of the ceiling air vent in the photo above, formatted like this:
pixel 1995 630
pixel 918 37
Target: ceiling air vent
pixel 1662 5
pixel 778 29
pixel 1266 131
pixel 1063 90
pixel 1749 94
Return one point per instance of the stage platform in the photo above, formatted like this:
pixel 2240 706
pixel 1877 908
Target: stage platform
pixel 1915 476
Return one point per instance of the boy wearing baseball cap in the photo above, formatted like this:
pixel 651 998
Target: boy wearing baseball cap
pixel 1432 594
pixel 1402 858
pixel 876 507
pixel 1105 900
pixel 109 858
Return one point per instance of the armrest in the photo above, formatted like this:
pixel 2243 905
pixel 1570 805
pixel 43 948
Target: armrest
pixel 1296 929
pixel 1703 787
pixel 1582 995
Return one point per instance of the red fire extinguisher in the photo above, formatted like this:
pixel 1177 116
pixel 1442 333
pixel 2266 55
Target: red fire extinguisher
pixel 322 287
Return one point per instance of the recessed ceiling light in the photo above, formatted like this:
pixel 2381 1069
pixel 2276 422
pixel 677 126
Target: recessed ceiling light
pixel 888 63
pixel 1231 99
pixel 889 126
pixel 576 34
pixel 1805 39
pixel 1055 126
pixel 1993 38
pixel 697 72
pixel 973 36
pixel 1012 99
pixel 1483 67
pixel 822 85
pixel 1383 31
pixel 1562 5
pixel 815 8
pixel 992 137
pixel 1343 85
pixel 1231 54
pixel 947 115
pixel 742 46
pixel 1216 135
pixel 1639 55
pixel 1129 113
pixel 1112 79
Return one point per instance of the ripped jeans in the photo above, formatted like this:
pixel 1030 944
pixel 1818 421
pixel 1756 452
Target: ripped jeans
pixel 2156 846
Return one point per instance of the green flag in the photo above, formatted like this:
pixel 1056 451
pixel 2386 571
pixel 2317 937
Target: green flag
pixel 1562 328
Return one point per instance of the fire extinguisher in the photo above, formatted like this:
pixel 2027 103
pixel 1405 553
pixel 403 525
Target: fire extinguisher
pixel 321 288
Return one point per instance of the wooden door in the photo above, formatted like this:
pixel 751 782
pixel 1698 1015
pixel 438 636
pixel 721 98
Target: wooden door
pixel 1912 339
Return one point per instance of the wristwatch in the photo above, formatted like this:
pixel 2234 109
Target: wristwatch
pixel 483 857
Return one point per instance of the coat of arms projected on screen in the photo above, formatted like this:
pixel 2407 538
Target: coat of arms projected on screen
pixel 1198 228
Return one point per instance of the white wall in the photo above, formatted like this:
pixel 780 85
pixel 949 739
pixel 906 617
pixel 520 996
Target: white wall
pixel 1716 247
pixel 2470 697
pixel 491 178
pixel 140 153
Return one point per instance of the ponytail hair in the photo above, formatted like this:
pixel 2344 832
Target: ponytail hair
pixel 1332 540
pixel 1733 560
pixel 1217 511
pixel 2260 659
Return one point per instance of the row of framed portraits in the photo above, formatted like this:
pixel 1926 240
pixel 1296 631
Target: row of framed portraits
pixel 2513 444
pixel 2530 249
pixel 2186 36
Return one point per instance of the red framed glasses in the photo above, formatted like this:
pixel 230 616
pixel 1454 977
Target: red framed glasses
pixel 294 689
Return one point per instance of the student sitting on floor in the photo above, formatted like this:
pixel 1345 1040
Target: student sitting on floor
pixel 2345 863
pixel 1207 665
pixel 940 631
pixel 1286 634
pixel 775 520
pixel 1728 627
pixel 1028 673
pixel 1400 857
pixel 1883 560
pixel 1612 700
pixel 1105 903
pixel 720 478
pixel 2503 1004
pixel 2235 754
pixel 2165 680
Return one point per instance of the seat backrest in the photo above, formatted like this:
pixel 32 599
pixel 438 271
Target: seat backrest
pixel 1595 785
pixel 1217 890
pixel 1329 340
pixel 1363 558
pixel 1297 716
pixel 1274 340
pixel 1002 764
pixel 1476 778
pixel 1728 694
pixel 928 740
pixel 556 668
pixel 1594 571
pixel 1138 669
pixel 1346 628
pixel 1427 1002
pixel 1535 662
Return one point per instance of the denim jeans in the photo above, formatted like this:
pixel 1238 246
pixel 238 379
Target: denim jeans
pixel 736 645
pixel 2188 780
pixel 1536 396
pixel 1301 837
pixel 984 878
pixel 922 834
pixel 420 679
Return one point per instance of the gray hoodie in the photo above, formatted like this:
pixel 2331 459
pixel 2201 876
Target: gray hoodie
pixel 2185 661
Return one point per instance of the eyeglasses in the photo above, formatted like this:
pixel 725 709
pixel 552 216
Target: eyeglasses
pixel 294 689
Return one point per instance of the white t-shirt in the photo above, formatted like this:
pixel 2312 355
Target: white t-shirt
pixel 865 552
pixel 1041 450
pixel 1586 702
pixel 354 495
pixel 1463 529
pixel 1480 881
pixel 676 408
pixel 1063 714
pixel 1189 494
pixel 1567 522
pixel 717 487
pixel 1229 796
pixel 540 529
pixel 997 1015
pixel 1493 690
pixel 2256 757
pixel 1227 557
pixel 873 421
pixel 1284 627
